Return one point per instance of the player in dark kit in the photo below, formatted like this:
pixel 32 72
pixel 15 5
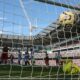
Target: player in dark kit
pixel 58 58
pixel 47 60
pixel 11 58
pixel 4 56
pixel 26 58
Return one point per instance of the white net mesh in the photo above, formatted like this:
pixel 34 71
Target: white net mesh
pixel 43 38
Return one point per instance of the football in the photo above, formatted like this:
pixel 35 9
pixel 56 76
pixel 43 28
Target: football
pixel 67 18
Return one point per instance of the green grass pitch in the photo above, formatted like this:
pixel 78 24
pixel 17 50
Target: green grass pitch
pixel 17 72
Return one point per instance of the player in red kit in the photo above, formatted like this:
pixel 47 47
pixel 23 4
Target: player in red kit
pixel 47 60
pixel 4 56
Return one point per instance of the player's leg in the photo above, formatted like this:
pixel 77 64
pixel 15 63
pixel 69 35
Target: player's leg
pixel 32 60
pixel 11 61
pixel 2 58
pixel 18 61
pixel 25 62
pixel 6 58
pixel 28 62
pixel 57 62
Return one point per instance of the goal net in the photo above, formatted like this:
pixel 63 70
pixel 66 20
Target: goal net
pixel 39 39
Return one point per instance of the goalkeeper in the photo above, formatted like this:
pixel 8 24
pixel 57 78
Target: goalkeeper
pixel 70 67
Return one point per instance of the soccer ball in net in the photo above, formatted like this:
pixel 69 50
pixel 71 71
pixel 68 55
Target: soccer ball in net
pixel 67 18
